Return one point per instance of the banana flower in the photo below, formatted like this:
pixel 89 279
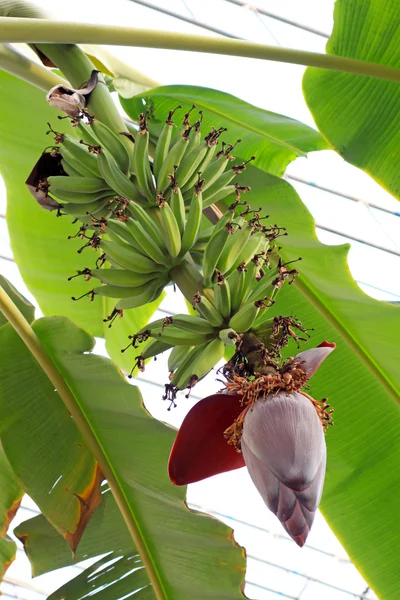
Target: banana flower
pixel 279 437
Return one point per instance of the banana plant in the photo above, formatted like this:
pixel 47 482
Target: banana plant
pixel 180 199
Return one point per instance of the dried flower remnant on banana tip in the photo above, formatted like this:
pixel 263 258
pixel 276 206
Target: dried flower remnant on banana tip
pixel 271 426
pixel 69 100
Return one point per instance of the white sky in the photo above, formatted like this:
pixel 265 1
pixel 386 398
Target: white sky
pixel 277 88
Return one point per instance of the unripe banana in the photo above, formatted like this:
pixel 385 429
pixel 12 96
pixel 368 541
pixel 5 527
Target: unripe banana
pixel 122 277
pixel 178 337
pixel 193 324
pixel 193 222
pixel 185 370
pixel 245 317
pixel 202 166
pixel 218 195
pixel 144 218
pixel 214 170
pixel 171 233
pixel 190 163
pixel 84 212
pixel 116 179
pixel 153 348
pixel 220 183
pixel 80 197
pixel 177 205
pixel 140 163
pixel 264 287
pixel 147 243
pixel 69 169
pixel 88 185
pixel 163 143
pixel 114 226
pixel 255 244
pixel 202 364
pixel 233 249
pixel 79 157
pixel 237 286
pixel 212 253
pixel 150 293
pixel 222 296
pixel 110 141
pixel 129 258
pixel 119 291
pixel 208 311
pixel 178 353
pixel 171 161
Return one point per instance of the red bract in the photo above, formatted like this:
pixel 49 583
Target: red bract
pixel 282 445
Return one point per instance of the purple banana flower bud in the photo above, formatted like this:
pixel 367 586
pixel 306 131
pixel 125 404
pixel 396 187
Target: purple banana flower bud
pixel 280 438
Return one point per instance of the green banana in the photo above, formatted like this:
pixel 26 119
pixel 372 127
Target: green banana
pixel 255 244
pixel 190 163
pixel 185 370
pixel 223 181
pixel 177 337
pixel 121 291
pixel 177 205
pixel 222 296
pixel 150 292
pixel 237 286
pixel 69 169
pixel 129 258
pixel 193 324
pixel 192 227
pixel 89 185
pixel 233 249
pixel 163 143
pixel 208 311
pixel 214 170
pixel 148 244
pixel 140 163
pixel 122 231
pixel 219 195
pixel 122 277
pixel 96 209
pixel 201 364
pixel 153 348
pixel 148 220
pixel 112 143
pixel 245 317
pixel 172 160
pixel 171 232
pixel 212 253
pixel 178 353
pixel 79 157
pixel 264 287
pixel 80 197
pixel 116 179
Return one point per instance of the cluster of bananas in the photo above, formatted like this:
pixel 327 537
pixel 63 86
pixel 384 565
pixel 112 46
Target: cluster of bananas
pixel 146 218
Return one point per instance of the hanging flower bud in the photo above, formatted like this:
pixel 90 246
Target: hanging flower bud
pixel 279 436
pixel 69 100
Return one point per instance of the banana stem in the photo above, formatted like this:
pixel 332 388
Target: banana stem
pixel 37 30
pixel 23 67
pixel 188 279
pixel 30 339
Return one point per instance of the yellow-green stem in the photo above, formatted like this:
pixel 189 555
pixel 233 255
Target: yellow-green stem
pixel 40 31
pixel 29 337
pixel 19 65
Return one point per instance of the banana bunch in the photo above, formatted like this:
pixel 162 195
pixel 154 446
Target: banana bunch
pixel 239 285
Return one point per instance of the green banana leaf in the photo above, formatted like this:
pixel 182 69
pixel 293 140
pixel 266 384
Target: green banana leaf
pixel 47 550
pixel 274 139
pixel 26 308
pixel 10 498
pixel 176 540
pixel 360 116
pixel 362 381
pixel 44 255
pixel 53 464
